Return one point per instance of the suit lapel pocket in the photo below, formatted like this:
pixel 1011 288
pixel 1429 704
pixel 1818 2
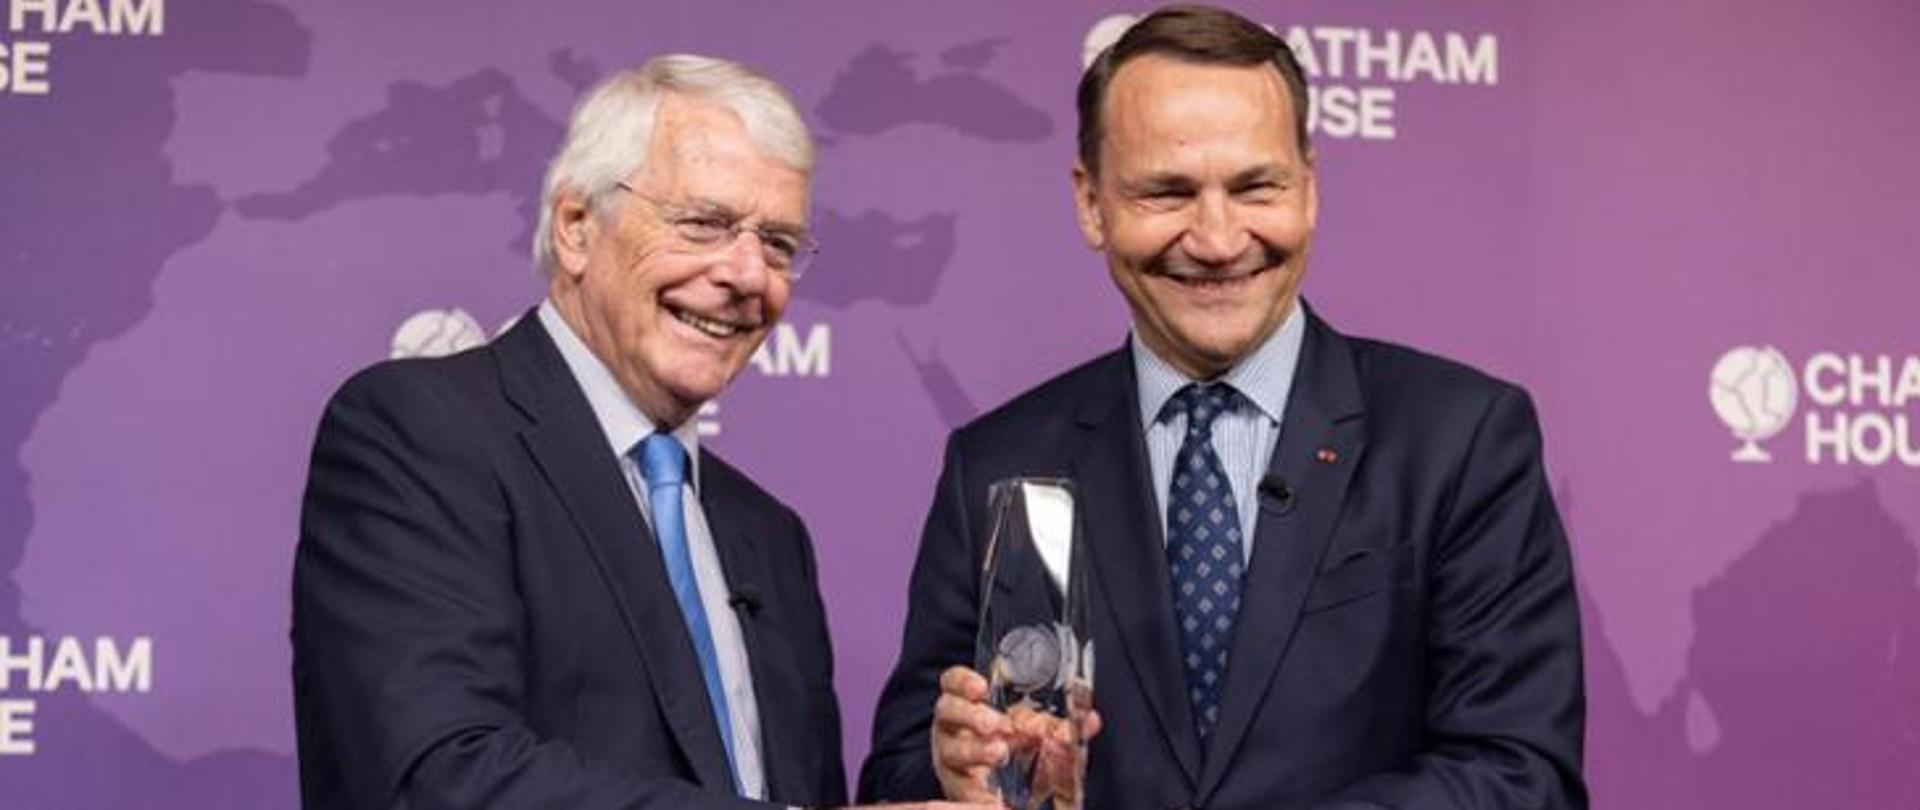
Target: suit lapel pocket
pixel 1358 575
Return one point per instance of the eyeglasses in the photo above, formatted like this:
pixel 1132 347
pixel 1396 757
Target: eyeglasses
pixel 785 252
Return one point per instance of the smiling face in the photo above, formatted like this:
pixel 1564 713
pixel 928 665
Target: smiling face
pixel 1204 207
pixel 675 321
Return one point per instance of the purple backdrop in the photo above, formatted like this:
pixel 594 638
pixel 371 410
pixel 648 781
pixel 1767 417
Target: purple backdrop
pixel 215 214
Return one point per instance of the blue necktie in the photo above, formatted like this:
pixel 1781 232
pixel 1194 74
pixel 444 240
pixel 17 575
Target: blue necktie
pixel 664 464
pixel 1203 551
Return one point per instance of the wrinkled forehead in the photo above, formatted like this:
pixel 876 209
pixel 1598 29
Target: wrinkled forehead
pixel 1162 107
pixel 703 153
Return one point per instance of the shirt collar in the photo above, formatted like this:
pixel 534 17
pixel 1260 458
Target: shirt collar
pixel 622 422
pixel 1264 377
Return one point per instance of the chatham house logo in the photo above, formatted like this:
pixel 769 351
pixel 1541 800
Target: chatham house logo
pixel 1841 407
pixel 1754 391
pixel 787 351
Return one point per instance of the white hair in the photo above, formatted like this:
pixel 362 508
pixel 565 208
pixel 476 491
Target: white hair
pixel 611 130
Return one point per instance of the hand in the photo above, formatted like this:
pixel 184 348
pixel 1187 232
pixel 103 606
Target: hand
pixel 970 738
pixel 926 806
pixel 1058 758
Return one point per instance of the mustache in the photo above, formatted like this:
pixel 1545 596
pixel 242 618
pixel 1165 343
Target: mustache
pixel 1258 256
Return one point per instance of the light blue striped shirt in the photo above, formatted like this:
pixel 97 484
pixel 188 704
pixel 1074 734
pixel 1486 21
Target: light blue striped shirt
pixel 1243 438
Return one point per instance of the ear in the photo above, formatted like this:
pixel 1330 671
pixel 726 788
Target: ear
pixel 1086 207
pixel 1313 193
pixel 574 228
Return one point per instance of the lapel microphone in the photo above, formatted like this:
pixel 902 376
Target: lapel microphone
pixel 745 599
pixel 1276 489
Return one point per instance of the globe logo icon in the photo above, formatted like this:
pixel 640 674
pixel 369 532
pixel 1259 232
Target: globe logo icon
pixel 437 333
pixel 1103 34
pixel 1753 392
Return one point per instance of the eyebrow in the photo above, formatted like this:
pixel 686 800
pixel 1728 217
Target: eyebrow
pixel 709 205
pixel 780 227
pixel 1159 181
pixel 1265 171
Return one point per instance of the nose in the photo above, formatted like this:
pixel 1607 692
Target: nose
pixel 742 266
pixel 1216 234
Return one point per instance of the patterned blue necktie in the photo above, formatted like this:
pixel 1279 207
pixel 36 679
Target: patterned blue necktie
pixel 664 464
pixel 1203 551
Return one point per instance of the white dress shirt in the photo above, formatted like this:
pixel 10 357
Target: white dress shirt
pixel 625 425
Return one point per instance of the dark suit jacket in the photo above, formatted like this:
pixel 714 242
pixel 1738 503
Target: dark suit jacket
pixel 481 620
pixel 1408 638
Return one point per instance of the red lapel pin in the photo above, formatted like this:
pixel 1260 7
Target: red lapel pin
pixel 1325 455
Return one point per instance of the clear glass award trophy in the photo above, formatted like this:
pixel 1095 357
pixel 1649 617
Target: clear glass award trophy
pixel 1033 644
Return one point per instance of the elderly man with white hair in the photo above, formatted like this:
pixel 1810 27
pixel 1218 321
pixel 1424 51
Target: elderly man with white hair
pixel 520 581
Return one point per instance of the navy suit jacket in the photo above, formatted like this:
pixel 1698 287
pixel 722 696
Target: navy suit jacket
pixel 481 620
pixel 1408 636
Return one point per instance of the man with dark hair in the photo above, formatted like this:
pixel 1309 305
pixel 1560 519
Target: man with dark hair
pixel 1327 572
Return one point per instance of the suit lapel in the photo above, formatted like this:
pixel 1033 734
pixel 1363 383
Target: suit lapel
pixel 1290 538
pixel 1123 536
pixel 778 695
pixel 571 452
